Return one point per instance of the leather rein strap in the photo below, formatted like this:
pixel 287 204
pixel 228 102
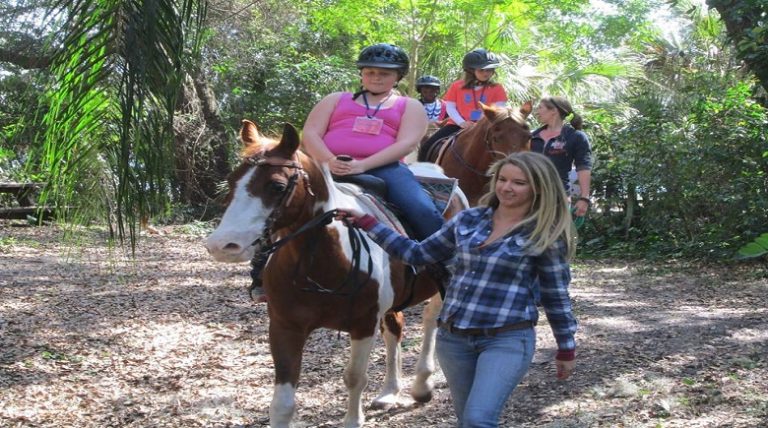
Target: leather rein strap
pixel 488 144
pixel 267 246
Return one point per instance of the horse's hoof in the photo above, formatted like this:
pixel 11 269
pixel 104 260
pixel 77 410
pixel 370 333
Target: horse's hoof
pixel 423 398
pixel 386 402
pixel 258 295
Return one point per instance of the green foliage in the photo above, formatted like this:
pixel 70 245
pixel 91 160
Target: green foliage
pixel 748 30
pixel 754 249
pixel 697 169
pixel 107 130
pixel 679 139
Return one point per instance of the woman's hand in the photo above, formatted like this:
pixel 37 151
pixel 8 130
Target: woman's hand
pixel 345 165
pixel 354 218
pixel 348 215
pixel 581 205
pixel 467 124
pixel 564 368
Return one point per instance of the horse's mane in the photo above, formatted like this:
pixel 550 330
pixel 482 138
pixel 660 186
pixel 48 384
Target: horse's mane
pixel 512 112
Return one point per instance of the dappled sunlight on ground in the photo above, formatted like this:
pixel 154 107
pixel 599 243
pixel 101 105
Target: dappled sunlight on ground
pixel 90 337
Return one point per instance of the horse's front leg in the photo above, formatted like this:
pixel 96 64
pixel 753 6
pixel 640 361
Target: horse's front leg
pixel 421 390
pixel 392 331
pixel 355 379
pixel 286 346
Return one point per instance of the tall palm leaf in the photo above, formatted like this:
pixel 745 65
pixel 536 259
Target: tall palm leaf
pixel 118 70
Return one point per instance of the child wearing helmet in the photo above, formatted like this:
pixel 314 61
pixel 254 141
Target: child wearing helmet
pixel 464 96
pixel 372 130
pixel 428 88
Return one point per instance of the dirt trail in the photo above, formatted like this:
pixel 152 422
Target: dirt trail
pixel 89 339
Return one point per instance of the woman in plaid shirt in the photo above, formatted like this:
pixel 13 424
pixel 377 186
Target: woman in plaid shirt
pixel 509 254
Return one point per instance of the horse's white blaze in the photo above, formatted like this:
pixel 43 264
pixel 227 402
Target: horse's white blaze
pixel 241 224
pixel 283 406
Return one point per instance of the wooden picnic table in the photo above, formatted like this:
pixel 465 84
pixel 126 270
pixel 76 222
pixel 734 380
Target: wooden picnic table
pixel 25 195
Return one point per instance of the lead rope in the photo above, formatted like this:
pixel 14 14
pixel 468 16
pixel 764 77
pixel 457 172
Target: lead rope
pixel 259 260
pixel 357 242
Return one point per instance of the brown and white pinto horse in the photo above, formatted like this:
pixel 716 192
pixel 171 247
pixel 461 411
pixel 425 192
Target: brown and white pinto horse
pixel 499 132
pixel 277 189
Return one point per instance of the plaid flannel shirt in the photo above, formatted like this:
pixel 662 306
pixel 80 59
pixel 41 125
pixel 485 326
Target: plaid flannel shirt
pixel 493 285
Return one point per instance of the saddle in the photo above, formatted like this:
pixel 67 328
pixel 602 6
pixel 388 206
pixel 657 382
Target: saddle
pixel 437 150
pixel 371 192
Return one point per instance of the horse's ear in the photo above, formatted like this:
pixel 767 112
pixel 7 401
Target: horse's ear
pixel 290 140
pixel 526 108
pixel 249 134
pixel 489 111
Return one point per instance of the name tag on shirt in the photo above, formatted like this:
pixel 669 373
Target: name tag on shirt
pixel 368 125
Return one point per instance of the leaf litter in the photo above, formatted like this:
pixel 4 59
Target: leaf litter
pixel 90 337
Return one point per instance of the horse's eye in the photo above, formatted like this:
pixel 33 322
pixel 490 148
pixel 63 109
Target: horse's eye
pixel 276 187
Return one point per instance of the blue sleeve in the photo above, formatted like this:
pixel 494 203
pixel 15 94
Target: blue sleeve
pixel 581 151
pixel 440 246
pixel 554 275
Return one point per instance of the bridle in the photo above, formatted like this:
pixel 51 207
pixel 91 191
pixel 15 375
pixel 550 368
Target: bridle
pixel 267 246
pixel 264 242
pixel 508 114
pixel 260 160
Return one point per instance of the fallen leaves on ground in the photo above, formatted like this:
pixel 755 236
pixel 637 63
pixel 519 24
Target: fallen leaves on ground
pixel 90 337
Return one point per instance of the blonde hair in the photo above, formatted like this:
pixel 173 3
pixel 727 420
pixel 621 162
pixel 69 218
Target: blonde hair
pixel 549 216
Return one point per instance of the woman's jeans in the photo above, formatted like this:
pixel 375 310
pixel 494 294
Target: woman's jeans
pixel 482 372
pixel 406 193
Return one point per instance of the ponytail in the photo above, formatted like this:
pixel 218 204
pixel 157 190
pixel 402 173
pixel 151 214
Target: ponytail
pixel 565 109
pixel 577 122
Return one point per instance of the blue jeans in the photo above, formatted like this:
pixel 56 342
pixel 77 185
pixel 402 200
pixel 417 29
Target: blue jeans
pixel 482 372
pixel 406 193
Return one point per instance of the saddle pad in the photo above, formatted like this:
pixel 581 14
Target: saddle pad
pixel 440 190
pixel 374 206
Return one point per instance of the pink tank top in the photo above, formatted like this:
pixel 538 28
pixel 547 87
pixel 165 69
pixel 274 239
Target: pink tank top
pixel 342 140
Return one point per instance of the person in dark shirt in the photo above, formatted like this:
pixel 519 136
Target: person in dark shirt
pixel 566 146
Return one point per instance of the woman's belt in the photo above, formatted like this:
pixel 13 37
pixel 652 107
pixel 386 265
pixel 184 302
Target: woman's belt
pixel 493 331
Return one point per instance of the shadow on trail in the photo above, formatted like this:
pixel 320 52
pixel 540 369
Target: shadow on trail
pixel 114 319
pixel 643 328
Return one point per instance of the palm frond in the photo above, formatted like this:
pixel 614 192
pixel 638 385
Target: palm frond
pixel 118 71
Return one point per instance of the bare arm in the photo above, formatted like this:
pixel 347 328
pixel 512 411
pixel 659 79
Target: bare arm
pixel 585 180
pixel 317 125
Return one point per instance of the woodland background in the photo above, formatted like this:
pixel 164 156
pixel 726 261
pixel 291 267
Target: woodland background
pixel 128 110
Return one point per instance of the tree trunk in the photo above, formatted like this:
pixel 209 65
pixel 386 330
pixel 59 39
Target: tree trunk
pixel 202 156
pixel 747 32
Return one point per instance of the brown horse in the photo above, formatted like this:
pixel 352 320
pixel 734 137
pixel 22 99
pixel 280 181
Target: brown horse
pixel 320 273
pixel 499 132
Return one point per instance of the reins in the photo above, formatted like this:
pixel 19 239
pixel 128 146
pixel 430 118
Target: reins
pixel 268 247
pixel 488 145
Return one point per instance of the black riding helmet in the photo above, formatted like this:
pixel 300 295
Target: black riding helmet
pixel 384 55
pixel 427 81
pixel 481 59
